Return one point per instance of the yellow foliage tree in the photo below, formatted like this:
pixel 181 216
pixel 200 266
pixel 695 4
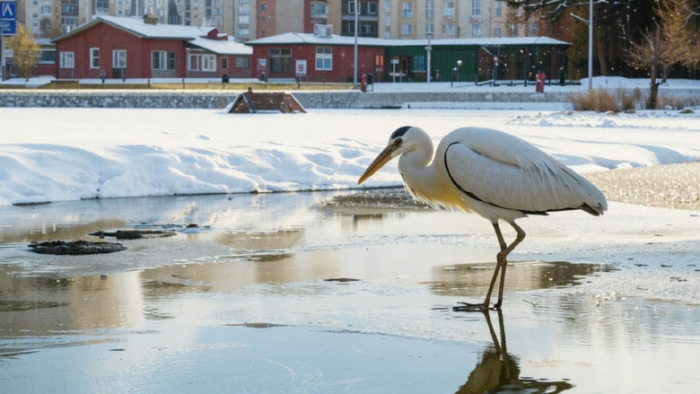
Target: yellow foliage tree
pixel 26 51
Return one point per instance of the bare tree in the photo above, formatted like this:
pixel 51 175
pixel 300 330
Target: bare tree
pixel 26 51
pixel 682 27
pixel 670 42
pixel 652 52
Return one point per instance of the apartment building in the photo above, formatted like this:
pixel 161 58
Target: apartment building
pixel 252 19
pixel 413 19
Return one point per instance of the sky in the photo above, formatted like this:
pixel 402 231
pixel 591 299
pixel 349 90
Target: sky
pixel 62 154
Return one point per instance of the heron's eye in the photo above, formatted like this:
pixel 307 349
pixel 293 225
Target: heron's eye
pixel 398 142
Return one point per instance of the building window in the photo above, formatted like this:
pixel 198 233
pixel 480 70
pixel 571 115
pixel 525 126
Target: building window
pixel 162 60
pixel 319 10
pixel 448 28
pixel 419 63
pixel 67 60
pixel 351 7
pixel 202 63
pixel 387 35
pixel 119 58
pixel 242 62
pixel 244 19
pixel 372 8
pixel 532 31
pixel 387 6
pixel 497 32
pixel 46 10
pixel 224 63
pixel 407 10
pixel 387 20
pixel 263 7
pixel 512 30
pixel 429 28
pixel 429 9
pixel 280 60
pixel 243 33
pixel 498 11
pixel 407 30
pixel 324 58
pixel 476 8
pixel 94 57
pixel 208 62
pixel 476 30
pixel 244 9
pixel 448 11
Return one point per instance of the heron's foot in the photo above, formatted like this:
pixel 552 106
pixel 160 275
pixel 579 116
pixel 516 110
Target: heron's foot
pixel 467 307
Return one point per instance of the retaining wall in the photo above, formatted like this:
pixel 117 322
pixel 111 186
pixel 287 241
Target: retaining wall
pixel 309 99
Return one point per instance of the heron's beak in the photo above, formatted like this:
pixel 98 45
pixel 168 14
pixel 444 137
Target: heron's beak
pixel 378 163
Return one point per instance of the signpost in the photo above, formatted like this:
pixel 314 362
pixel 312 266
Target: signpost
pixel 8 27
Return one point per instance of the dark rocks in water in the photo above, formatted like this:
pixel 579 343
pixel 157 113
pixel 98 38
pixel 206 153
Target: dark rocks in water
pixel 341 280
pixel 76 247
pixel 134 234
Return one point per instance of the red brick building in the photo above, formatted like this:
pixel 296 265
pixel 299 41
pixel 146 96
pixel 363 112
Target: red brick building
pixel 141 48
pixel 319 57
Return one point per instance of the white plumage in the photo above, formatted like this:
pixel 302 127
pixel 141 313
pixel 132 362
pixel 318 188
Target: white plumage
pixel 491 173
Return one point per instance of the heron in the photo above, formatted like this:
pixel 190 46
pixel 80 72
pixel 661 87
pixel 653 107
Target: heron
pixel 491 173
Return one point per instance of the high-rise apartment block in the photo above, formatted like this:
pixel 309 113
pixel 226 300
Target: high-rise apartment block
pixel 252 19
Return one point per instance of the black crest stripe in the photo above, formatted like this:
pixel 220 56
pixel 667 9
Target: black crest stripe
pixel 400 132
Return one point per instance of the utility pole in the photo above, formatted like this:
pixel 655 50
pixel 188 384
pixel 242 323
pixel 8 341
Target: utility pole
pixel 590 46
pixel 357 17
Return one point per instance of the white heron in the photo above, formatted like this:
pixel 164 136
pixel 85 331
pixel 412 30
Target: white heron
pixel 491 173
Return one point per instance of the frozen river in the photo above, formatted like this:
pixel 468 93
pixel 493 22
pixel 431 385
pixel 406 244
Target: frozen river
pixel 243 302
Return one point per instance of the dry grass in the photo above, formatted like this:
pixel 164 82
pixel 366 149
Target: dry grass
pixel 677 102
pixel 598 100
pixel 624 100
pixel 602 100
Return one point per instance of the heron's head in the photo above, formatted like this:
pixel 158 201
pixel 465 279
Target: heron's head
pixel 402 140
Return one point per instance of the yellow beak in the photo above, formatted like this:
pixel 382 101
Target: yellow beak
pixel 378 163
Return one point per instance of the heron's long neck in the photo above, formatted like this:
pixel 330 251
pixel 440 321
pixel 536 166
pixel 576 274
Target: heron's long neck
pixel 417 171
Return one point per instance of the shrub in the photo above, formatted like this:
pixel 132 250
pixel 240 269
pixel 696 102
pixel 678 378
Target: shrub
pixel 602 100
pixel 598 100
pixel 677 102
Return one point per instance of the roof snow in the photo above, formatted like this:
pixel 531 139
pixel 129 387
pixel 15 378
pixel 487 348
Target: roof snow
pixel 307 38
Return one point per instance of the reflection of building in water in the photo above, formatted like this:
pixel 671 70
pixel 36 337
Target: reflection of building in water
pixel 498 371
pixel 474 279
pixel 41 230
pixel 256 241
pixel 84 303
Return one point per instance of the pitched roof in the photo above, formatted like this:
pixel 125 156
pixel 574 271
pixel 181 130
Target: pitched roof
pixel 306 38
pixel 221 47
pixel 138 27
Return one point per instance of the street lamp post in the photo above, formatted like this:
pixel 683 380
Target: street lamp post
pixel 459 65
pixel 590 46
pixel 357 17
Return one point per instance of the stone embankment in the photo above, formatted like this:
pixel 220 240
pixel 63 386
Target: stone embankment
pixel 220 99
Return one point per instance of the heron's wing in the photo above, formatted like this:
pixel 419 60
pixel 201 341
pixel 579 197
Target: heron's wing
pixel 507 172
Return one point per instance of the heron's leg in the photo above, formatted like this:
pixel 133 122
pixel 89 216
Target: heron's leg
pixel 503 256
pixel 500 263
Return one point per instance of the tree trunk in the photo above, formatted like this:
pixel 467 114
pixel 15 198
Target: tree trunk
pixel 653 88
pixel 600 48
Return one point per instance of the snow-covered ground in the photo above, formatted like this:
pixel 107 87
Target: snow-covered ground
pixel 58 154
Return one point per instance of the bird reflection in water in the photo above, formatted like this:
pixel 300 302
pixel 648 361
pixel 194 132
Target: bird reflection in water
pixel 499 372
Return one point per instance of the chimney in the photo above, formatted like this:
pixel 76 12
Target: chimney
pixel 151 19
